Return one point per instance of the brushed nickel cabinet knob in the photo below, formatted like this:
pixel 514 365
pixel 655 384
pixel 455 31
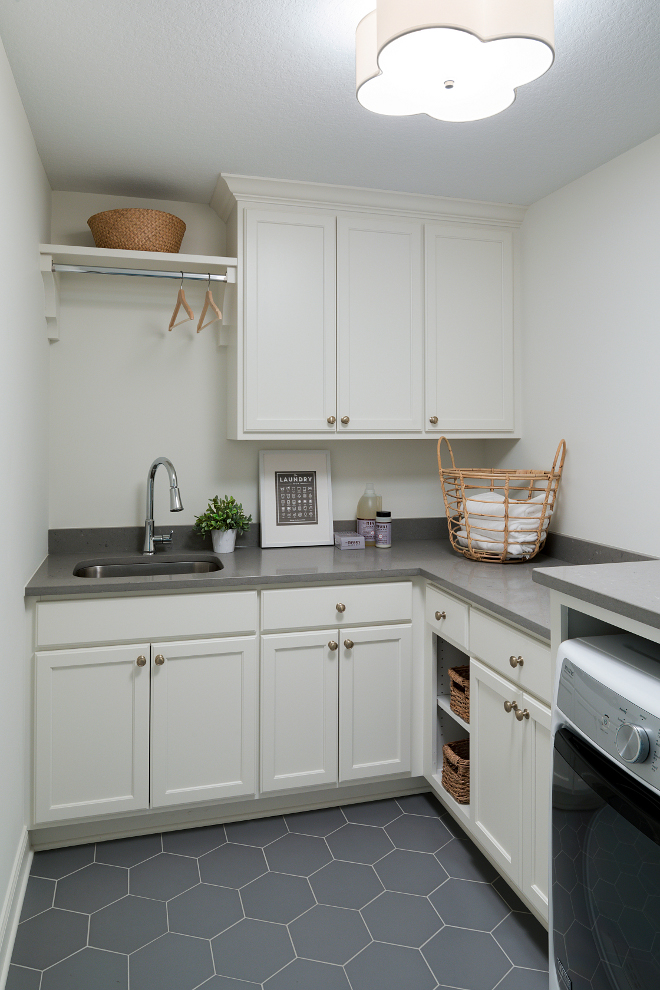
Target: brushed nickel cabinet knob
pixel 510 706
pixel 520 715
pixel 433 420
pixel 346 420
pixel 349 644
pixel 333 646
pixel 160 660
pixel 340 607
pixel 516 661
pixel 141 661
pixel 332 420
pixel 440 615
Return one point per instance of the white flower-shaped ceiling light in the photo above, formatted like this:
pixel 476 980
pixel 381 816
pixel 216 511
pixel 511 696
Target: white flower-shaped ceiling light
pixel 454 60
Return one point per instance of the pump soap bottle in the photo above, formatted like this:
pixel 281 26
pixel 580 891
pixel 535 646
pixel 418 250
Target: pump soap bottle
pixel 367 508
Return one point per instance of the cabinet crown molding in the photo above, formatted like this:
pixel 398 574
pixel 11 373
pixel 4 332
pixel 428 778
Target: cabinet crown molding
pixel 256 189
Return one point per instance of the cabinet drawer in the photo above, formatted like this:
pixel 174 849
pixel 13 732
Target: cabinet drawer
pixel 134 619
pixel 495 642
pixel 452 624
pixel 308 608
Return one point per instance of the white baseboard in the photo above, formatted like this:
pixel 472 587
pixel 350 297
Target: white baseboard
pixel 11 908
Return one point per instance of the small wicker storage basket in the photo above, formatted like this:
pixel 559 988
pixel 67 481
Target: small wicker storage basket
pixel 456 770
pixel 459 691
pixel 137 230
pixel 499 515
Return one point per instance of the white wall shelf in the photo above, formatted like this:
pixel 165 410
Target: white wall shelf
pixel 65 254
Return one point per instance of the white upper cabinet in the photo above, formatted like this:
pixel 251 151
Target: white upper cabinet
pixel 469 329
pixel 379 325
pixel 289 346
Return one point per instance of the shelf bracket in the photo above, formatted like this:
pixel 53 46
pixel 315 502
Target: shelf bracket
pixel 51 297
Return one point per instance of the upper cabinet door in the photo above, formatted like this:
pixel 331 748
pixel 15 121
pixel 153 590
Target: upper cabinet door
pixel 289 322
pixel 379 325
pixel 469 328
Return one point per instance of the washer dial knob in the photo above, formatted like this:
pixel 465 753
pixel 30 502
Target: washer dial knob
pixel 632 743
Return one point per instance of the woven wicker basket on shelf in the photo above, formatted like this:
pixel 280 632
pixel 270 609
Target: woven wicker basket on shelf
pixel 456 770
pixel 499 515
pixel 137 230
pixel 459 691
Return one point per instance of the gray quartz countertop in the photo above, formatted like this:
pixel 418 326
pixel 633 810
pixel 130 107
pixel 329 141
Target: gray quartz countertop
pixel 631 589
pixel 506 590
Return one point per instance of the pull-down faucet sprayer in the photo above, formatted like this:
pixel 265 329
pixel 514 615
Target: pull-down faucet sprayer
pixel 175 504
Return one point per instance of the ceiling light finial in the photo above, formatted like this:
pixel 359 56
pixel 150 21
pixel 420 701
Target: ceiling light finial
pixel 455 60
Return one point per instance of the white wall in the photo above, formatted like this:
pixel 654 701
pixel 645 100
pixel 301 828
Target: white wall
pixel 591 323
pixel 124 390
pixel 24 210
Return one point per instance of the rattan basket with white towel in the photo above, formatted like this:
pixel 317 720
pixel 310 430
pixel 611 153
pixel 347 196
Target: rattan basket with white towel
pixel 499 515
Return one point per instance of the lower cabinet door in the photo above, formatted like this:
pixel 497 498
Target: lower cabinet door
pixel 92 732
pixel 537 758
pixel 496 767
pixel 299 710
pixel 374 701
pixel 203 720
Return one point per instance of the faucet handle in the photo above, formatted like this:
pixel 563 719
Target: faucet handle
pixel 164 537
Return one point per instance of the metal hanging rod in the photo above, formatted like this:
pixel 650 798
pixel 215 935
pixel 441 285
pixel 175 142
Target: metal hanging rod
pixel 93 270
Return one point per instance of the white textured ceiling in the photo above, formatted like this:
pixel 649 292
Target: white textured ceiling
pixel 155 97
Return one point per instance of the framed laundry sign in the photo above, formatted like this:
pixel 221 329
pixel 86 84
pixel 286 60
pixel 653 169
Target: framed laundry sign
pixel 295 498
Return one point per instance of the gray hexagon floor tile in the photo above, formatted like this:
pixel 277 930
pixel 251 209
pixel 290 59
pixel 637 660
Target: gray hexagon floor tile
pixel 128 924
pixel 89 968
pixel 402 919
pixel 252 950
pixel 172 962
pixel 300 855
pixel 226 983
pixel 349 885
pixel 204 911
pixel 524 979
pixel 329 934
pixel 49 937
pixel 57 863
pixel 259 832
pixel 372 812
pixel 418 834
pixel 194 841
pixel 524 940
pixel 469 904
pixel 128 852
pixel 19 978
pixel 467 959
pixel 232 866
pixel 410 872
pixel 277 897
pixel 303 974
pixel 463 861
pixel 421 804
pixel 163 877
pixel 389 967
pixel 92 888
pixel 321 822
pixel 39 895
pixel 359 844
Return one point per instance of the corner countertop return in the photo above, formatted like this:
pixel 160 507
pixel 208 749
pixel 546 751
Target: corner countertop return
pixel 507 590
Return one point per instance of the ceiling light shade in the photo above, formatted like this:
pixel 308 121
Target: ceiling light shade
pixel 455 60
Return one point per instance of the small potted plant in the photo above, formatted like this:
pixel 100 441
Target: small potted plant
pixel 223 519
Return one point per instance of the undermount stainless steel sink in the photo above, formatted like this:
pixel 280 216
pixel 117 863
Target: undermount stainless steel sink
pixel 145 567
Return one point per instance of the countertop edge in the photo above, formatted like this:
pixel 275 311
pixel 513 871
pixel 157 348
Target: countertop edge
pixel 611 603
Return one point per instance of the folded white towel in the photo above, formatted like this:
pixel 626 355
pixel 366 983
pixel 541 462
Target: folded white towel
pixel 512 550
pixel 519 530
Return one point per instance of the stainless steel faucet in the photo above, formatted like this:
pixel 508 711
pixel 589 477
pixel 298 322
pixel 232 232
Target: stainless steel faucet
pixel 175 504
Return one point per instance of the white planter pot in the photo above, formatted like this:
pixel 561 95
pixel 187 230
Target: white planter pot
pixel 224 540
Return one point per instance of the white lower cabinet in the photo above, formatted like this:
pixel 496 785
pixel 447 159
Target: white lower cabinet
pixel 92 732
pixel 335 706
pixel 510 780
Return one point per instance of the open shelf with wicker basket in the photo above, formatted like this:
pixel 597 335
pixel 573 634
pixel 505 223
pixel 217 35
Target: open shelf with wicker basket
pixel 452 727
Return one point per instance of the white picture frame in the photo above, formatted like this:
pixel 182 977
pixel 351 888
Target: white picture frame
pixel 295 498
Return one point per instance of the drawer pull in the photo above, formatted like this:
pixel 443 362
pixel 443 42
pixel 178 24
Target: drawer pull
pixel 516 661
pixel 511 706
pixel 349 644
pixel 141 661
pixel 340 607
pixel 333 646
pixel 440 615
pixel 520 715
pixel 433 420
pixel 160 660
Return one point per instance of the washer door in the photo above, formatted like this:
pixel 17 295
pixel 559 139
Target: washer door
pixel 605 872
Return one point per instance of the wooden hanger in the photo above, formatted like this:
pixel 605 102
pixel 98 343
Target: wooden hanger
pixel 181 301
pixel 208 302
